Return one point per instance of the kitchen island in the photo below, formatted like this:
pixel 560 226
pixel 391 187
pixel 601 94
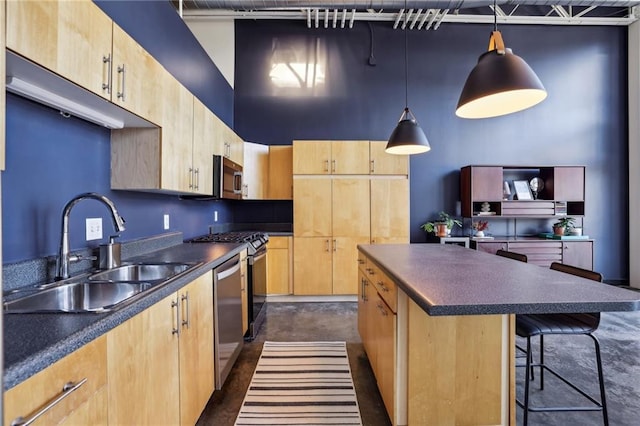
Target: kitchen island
pixel 451 329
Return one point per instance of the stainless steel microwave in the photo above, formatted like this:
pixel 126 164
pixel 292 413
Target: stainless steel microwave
pixel 227 178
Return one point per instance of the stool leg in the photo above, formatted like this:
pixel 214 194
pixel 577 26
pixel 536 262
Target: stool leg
pixel 542 362
pixel 528 368
pixel 603 398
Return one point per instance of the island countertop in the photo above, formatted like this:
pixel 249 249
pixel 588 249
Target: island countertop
pixel 453 280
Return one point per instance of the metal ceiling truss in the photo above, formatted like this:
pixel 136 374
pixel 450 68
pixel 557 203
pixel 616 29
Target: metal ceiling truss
pixel 587 13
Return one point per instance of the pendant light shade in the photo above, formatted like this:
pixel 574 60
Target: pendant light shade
pixel 407 138
pixel 500 83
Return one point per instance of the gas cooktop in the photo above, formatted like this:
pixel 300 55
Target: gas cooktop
pixel 255 239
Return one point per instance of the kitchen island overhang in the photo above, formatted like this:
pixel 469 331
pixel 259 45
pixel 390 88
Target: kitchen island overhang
pixel 454 341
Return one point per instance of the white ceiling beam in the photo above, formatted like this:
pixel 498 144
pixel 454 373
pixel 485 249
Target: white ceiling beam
pixel 439 21
pixel 391 17
pixel 424 18
pixel 395 24
pixel 413 23
pixel 432 19
pixel 344 17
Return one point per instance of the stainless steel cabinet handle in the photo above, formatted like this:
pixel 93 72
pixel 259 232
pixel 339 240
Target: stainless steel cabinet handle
pixel 197 175
pixel 174 304
pixel 335 245
pixel 384 287
pixel 106 60
pixel 185 298
pixel 333 166
pixel 361 261
pixel 373 166
pixel 123 72
pixel 190 178
pixel 67 390
pixel 326 165
pixel 326 245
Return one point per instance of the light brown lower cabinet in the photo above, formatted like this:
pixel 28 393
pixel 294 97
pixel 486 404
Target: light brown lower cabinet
pixel 85 404
pixel 279 265
pixel 160 362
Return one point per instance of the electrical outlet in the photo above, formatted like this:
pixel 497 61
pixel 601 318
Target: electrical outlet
pixel 215 215
pixel 166 221
pixel 94 228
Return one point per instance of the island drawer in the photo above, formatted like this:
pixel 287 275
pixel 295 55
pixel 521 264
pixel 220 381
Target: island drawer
pixel 362 263
pixel 385 287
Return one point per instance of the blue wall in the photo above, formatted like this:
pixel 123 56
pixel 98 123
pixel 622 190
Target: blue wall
pixel 51 159
pixel 582 122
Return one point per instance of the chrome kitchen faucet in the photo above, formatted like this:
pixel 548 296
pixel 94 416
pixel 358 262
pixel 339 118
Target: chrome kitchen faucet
pixel 64 257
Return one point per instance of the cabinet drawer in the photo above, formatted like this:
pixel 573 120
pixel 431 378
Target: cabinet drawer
pixel 385 287
pixel 539 253
pixel 528 208
pixel 362 263
pixel 35 393
pixel 278 243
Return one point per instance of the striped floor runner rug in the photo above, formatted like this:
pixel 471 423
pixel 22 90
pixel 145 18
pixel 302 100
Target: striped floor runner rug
pixel 301 383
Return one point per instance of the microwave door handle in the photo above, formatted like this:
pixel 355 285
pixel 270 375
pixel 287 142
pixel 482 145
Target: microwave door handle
pixel 237 182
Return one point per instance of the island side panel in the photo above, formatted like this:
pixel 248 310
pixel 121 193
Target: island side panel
pixel 459 369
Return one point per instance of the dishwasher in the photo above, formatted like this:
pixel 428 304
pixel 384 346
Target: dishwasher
pixel 227 310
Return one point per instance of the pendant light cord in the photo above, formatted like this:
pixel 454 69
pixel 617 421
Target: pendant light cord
pixel 406 61
pixel 495 17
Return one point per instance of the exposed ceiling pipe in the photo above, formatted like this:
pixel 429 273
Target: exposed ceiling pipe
pixel 395 4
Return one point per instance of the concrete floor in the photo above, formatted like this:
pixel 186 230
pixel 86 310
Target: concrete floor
pixel 300 322
pixel 619 334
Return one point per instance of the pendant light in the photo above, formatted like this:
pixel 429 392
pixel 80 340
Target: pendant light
pixel 407 138
pixel 500 83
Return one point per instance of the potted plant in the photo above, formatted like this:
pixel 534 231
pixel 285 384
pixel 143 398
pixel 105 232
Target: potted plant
pixel 563 225
pixel 479 227
pixel 443 226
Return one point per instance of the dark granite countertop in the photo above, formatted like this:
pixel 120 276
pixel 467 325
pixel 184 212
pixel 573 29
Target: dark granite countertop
pixel 32 342
pixel 452 280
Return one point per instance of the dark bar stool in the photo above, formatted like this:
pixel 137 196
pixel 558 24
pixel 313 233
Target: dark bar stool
pixel 531 325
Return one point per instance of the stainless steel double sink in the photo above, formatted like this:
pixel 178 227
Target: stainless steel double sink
pixel 102 291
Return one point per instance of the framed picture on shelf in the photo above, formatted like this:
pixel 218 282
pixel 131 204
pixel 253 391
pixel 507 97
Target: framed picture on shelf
pixel 523 192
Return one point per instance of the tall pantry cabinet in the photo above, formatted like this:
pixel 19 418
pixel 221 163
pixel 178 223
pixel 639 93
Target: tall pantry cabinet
pixel 345 193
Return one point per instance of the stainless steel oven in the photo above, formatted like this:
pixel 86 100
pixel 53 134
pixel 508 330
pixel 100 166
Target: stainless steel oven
pixel 256 272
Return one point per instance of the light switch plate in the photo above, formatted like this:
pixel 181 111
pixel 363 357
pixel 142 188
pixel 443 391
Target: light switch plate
pixel 166 221
pixel 94 228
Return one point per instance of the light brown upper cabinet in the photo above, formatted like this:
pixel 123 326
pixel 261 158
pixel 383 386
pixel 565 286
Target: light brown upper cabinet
pixel 255 174
pixel 382 163
pixel 203 149
pixel 280 185
pixel 389 210
pixel 330 157
pixel 78 41
pixel 233 145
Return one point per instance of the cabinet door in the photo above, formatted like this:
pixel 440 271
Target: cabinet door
pixel 236 148
pixel 350 212
pixel 568 183
pixel 202 159
pixel 363 294
pixel 312 273
pixel 143 367
pixel 311 158
pixel 345 260
pixel 350 157
pixel 280 185
pixel 86 405
pixel 389 211
pixel 382 163
pixel 196 348
pixel 486 183
pixel 255 171
pixel 278 265
pixel 386 354
pixel 70 38
pixel 578 253
pixel 312 207
pixel 541 253
pixel 177 135
pixel 490 248
pixel 134 71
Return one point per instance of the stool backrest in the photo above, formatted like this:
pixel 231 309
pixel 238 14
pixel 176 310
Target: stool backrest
pixel 512 255
pixel 574 270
